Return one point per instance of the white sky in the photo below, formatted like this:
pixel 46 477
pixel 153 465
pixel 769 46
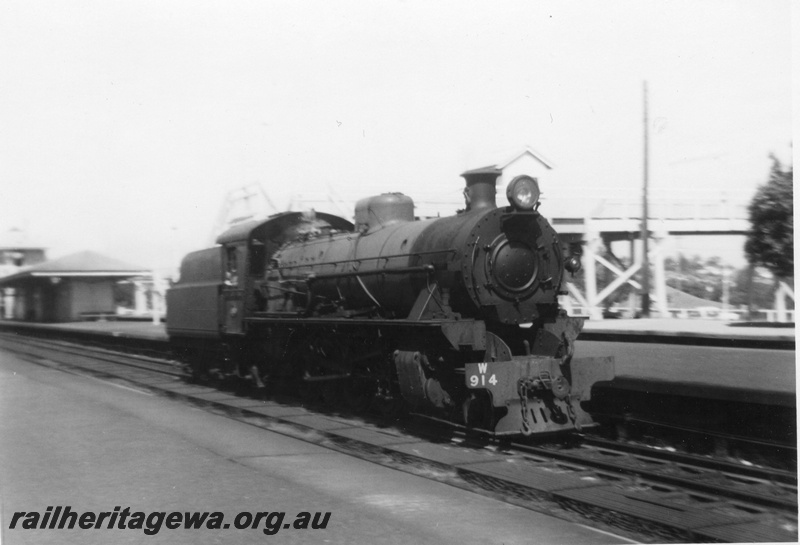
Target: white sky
pixel 124 124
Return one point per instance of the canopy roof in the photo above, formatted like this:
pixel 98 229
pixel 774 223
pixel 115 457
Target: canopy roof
pixel 81 264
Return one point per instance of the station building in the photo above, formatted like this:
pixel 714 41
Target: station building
pixel 76 287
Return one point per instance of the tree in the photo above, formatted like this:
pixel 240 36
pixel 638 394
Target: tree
pixel 762 287
pixel 696 276
pixel 770 240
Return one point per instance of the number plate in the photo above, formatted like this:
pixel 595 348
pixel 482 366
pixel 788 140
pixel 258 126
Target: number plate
pixel 479 375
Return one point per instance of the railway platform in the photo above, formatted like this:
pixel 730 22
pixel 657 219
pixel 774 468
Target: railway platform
pixel 693 332
pixel 751 363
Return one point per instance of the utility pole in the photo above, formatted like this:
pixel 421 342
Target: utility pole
pixel 645 232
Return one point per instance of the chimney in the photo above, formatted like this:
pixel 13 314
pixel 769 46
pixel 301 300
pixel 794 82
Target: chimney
pixel 481 188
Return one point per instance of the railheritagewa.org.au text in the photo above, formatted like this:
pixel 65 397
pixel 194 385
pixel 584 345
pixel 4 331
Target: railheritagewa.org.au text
pixel 64 518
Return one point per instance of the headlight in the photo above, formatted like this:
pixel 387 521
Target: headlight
pixel 523 192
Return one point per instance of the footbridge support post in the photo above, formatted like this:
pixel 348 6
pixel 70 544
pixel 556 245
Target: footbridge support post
pixel 592 244
pixel 659 272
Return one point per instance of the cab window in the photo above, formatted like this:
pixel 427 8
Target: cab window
pixel 231 267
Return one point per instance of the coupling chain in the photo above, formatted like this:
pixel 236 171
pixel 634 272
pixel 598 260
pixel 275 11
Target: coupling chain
pixel 522 390
pixel 528 385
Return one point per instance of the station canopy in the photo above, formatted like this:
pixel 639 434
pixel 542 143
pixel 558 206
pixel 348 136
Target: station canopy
pixel 81 264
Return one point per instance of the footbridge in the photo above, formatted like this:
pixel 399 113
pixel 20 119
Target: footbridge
pixel 619 221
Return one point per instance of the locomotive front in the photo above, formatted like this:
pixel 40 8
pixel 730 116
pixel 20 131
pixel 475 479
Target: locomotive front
pixel 508 264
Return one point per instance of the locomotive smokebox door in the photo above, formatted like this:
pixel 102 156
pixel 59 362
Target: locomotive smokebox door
pixel 233 289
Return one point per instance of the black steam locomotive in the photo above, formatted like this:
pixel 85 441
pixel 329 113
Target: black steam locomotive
pixel 455 317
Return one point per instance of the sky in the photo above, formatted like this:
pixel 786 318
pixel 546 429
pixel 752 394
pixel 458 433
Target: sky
pixel 124 125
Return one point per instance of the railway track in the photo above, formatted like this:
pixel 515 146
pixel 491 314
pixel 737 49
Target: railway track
pixel 648 494
pixel 765 487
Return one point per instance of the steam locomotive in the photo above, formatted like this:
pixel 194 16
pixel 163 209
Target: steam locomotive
pixel 456 318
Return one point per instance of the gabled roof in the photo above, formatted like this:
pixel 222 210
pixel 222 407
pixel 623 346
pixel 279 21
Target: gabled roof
pixel 79 264
pixel 497 168
pixel 86 261
pixel 525 151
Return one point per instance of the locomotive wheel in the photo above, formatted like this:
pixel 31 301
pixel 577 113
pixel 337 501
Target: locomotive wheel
pixel 310 392
pixel 320 394
pixel 478 411
pixel 199 365
pixel 389 404
pixel 392 408
pixel 256 378
pixel 358 393
pixel 331 394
